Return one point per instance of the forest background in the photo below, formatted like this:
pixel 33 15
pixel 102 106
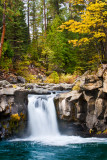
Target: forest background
pixel 59 39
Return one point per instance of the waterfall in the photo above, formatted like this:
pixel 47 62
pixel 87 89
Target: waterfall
pixel 42 124
pixel 42 116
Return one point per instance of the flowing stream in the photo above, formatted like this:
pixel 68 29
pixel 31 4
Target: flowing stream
pixel 45 142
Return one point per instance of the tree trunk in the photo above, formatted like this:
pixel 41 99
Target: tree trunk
pixel 57 6
pixel 28 9
pixel 4 28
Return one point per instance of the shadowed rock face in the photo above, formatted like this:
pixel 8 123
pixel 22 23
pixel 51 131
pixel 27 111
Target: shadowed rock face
pixel 88 104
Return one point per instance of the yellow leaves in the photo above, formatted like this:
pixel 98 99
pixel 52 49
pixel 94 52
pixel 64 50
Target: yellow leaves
pixel 93 23
pixel 83 41
pixel 74 42
pixel 96 7
pixel 79 42
pixel 99 35
pixel 15 117
pixel 62 27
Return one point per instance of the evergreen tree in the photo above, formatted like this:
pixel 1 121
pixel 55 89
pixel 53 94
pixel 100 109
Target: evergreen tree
pixel 16 29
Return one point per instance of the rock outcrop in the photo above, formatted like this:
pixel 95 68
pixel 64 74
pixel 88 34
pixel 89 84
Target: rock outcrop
pixel 87 102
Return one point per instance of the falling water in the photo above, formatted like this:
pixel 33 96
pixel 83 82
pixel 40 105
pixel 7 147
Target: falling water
pixel 42 116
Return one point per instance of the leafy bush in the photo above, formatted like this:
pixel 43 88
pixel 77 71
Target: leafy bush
pixel 52 78
pixel 68 78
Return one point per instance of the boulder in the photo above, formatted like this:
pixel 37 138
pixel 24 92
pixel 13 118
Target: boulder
pixel 92 86
pixel 12 79
pixel 91 79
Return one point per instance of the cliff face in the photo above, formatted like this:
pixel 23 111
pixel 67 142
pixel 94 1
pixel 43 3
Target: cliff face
pixel 87 102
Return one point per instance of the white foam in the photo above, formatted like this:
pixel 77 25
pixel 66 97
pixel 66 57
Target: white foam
pixel 62 140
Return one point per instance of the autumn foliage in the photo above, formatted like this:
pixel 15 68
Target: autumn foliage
pixel 93 25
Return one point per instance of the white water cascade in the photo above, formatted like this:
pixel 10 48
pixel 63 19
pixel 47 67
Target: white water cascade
pixel 42 116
